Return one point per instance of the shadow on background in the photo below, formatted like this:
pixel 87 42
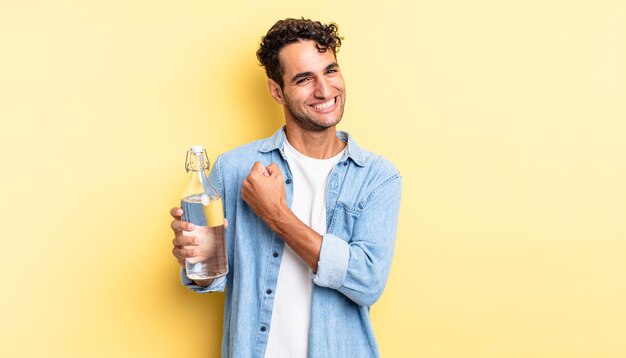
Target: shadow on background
pixel 248 91
pixel 249 87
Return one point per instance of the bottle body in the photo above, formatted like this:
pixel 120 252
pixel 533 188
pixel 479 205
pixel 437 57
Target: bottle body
pixel 211 260
pixel 202 206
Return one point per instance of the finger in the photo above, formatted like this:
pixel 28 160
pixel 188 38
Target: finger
pixel 177 213
pixel 179 226
pixel 182 254
pixel 186 241
pixel 225 223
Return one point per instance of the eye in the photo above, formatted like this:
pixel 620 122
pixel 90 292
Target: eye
pixel 302 80
pixel 330 70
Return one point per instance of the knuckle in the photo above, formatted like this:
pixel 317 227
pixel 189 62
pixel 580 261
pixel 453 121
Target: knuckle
pixel 183 240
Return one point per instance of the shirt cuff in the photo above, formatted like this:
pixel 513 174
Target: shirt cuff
pixel 333 264
pixel 217 285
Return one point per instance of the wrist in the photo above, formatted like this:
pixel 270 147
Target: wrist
pixel 279 217
pixel 203 283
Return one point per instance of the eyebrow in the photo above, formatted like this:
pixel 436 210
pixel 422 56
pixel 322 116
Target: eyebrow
pixel 308 74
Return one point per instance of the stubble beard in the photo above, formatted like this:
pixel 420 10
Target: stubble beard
pixel 307 123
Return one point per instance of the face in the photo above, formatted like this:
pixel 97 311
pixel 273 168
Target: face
pixel 314 92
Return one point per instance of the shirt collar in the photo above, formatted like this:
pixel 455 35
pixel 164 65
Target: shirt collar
pixel 277 142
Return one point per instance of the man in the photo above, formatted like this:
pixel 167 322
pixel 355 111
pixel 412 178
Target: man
pixel 311 187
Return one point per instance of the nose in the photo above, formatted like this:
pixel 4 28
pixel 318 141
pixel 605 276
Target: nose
pixel 322 88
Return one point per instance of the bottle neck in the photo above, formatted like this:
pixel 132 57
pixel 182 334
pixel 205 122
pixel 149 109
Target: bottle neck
pixel 197 165
pixel 196 162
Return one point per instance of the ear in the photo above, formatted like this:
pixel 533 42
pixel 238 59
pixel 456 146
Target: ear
pixel 276 91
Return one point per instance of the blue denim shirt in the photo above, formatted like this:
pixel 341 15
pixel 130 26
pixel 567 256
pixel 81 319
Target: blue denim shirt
pixel 362 203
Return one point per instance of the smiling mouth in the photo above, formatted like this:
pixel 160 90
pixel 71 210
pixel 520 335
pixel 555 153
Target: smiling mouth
pixel 326 105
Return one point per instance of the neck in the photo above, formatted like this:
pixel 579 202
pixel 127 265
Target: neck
pixel 318 145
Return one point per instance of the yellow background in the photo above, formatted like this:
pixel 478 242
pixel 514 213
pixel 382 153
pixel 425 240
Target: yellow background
pixel 507 120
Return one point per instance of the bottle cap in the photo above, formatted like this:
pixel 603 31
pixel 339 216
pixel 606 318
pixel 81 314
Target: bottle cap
pixel 197 149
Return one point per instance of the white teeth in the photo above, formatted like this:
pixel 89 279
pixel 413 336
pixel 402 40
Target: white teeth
pixel 325 105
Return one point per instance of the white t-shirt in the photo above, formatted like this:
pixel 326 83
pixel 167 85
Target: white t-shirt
pixel 291 314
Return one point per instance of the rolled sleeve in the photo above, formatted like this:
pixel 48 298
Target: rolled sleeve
pixel 333 263
pixel 217 285
pixel 359 266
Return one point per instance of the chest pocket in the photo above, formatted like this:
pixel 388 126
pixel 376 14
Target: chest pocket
pixel 343 221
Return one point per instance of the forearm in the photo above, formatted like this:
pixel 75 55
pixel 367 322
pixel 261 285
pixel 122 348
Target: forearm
pixel 264 191
pixel 303 240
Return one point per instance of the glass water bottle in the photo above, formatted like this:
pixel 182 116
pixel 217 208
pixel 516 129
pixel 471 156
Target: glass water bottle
pixel 202 206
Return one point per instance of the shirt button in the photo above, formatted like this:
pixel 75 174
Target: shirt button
pixel 275 254
pixel 269 292
pixel 263 328
pixel 288 181
pixel 345 163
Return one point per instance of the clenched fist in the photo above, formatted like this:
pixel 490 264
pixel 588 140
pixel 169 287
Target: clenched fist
pixel 264 191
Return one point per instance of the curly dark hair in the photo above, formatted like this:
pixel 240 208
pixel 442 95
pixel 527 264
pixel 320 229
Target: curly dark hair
pixel 287 31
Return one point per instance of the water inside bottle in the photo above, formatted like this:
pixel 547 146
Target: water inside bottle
pixel 207 214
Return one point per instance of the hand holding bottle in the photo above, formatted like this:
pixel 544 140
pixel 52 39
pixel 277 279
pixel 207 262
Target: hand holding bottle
pixel 185 246
pixel 204 252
